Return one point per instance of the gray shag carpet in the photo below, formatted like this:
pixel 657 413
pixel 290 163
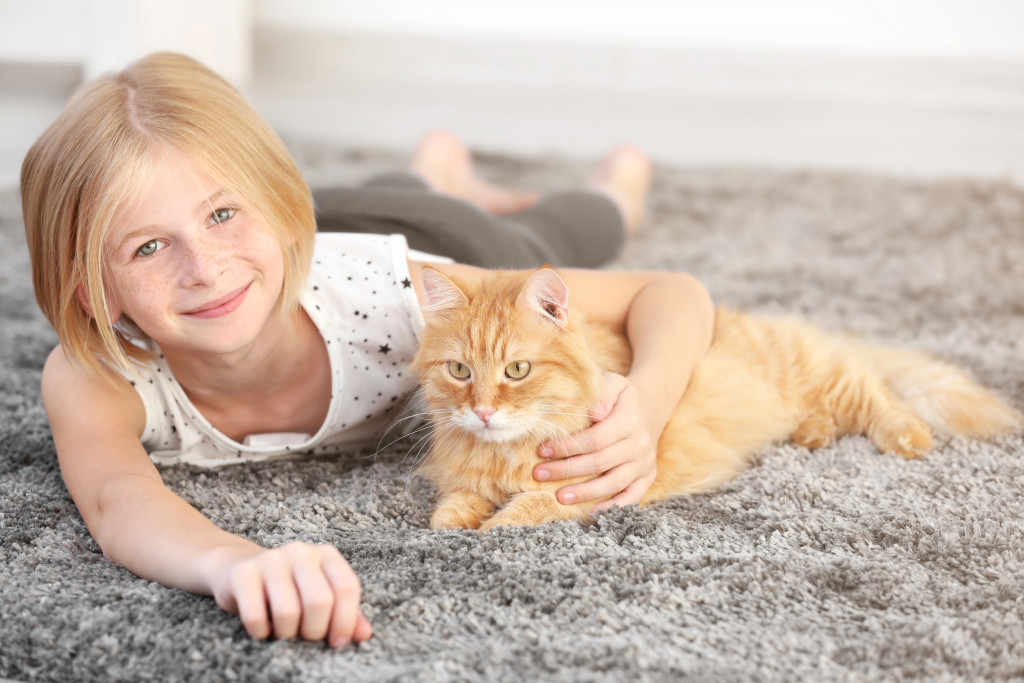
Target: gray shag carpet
pixel 838 564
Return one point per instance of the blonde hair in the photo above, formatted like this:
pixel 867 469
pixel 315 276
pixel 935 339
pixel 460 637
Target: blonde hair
pixel 97 157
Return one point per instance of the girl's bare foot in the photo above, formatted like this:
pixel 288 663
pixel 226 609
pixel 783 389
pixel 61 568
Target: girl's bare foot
pixel 625 174
pixel 447 166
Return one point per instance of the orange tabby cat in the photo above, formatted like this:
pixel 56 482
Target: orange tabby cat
pixel 505 365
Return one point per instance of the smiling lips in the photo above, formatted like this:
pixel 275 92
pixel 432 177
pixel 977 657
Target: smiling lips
pixel 222 306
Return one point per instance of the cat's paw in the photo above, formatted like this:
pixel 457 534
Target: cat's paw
pixel 461 509
pixel 536 507
pixel 510 518
pixel 455 519
pixel 445 519
pixel 816 431
pixel 910 438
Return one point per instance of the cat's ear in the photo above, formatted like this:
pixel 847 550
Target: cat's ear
pixel 443 295
pixel 547 293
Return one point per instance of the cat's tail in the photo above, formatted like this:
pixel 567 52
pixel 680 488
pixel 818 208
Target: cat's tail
pixel 945 397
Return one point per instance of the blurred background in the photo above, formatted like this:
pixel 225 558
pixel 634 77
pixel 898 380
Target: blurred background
pixel 908 87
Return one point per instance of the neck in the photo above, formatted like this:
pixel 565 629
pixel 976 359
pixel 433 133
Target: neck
pixel 279 354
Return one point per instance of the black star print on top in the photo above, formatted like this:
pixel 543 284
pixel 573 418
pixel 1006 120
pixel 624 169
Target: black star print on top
pixel 359 295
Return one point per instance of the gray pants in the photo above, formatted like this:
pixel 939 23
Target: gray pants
pixel 576 228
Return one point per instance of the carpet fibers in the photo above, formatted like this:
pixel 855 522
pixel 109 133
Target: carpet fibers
pixel 837 564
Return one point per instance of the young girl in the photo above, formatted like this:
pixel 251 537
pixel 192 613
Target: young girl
pixel 203 320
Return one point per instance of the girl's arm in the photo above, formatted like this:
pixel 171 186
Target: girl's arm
pixel 297 589
pixel 668 319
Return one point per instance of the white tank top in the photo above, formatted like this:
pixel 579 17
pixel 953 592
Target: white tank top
pixel 359 294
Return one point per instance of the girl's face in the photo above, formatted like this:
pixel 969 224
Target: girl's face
pixel 194 270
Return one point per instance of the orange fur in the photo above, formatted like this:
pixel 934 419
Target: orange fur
pixel 761 381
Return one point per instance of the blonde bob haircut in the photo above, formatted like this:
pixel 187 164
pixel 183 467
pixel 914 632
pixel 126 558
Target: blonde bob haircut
pixel 97 158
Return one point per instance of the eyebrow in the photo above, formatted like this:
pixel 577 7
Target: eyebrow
pixel 208 202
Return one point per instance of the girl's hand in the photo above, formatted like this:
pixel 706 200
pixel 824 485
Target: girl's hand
pixel 620 446
pixel 298 589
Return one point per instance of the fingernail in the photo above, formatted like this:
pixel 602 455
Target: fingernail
pixel 568 498
pixel 546 451
pixel 542 475
pixel 339 643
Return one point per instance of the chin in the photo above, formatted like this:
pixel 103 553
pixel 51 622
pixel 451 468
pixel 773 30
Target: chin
pixel 495 434
pixel 499 435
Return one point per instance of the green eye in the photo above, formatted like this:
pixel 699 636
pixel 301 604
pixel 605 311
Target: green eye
pixel 518 369
pixel 458 370
pixel 221 216
pixel 148 248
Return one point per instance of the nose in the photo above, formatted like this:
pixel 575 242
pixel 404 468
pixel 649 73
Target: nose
pixel 203 262
pixel 484 414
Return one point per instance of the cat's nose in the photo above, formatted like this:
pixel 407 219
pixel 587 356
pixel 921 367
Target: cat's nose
pixel 484 414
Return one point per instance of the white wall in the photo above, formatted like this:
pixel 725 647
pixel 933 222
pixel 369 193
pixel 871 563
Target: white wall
pixel 979 28
pixel 105 35
pixel 43 31
pixel 568 76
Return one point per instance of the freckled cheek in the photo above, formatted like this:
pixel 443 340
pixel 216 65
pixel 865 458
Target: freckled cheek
pixel 138 295
pixel 262 251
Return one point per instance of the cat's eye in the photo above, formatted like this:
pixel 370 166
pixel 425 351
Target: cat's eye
pixel 458 370
pixel 518 369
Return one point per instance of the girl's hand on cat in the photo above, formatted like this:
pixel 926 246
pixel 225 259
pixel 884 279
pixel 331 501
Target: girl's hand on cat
pixel 619 447
pixel 298 589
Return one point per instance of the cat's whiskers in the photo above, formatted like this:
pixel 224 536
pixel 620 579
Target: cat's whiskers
pixel 557 431
pixel 583 412
pixel 425 427
pixel 437 430
pixel 405 418
pixel 558 410
pixel 438 440
pixel 395 424
pixel 422 447
pixel 424 414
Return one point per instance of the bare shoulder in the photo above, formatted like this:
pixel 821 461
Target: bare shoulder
pixel 89 413
pixel 64 383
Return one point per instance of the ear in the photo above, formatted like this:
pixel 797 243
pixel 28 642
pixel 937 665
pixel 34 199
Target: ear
pixel 547 293
pixel 113 310
pixel 443 295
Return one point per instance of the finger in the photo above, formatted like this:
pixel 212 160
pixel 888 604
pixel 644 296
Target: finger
pixel 363 629
pixel 589 440
pixel 610 403
pixel 610 483
pixel 347 593
pixel 248 599
pixel 283 596
pixel 631 495
pixel 317 598
pixel 589 464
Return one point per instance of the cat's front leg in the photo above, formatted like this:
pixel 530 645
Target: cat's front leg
pixel 461 509
pixel 536 507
